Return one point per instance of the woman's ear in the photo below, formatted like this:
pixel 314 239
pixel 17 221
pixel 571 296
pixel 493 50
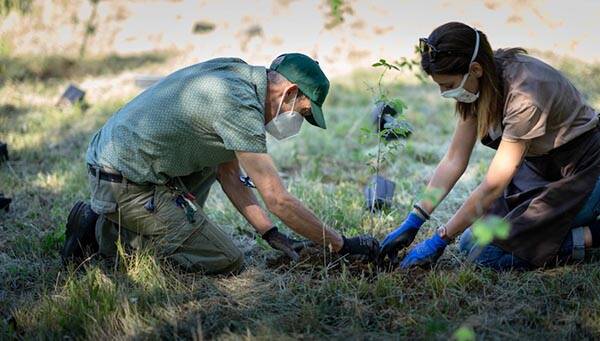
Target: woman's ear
pixel 476 70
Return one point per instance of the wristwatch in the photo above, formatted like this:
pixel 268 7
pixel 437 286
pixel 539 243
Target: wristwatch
pixel 443 233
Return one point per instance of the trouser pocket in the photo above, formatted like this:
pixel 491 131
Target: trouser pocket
pixel 103 194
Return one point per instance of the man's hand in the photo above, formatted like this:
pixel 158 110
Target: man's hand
pixel 365 247
pixel 426 253
pixel 400 238
pixel 283 243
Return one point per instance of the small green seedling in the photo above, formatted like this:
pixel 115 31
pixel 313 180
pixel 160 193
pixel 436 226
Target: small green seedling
pixel 387 129
pixel 464 333
pixel 487 229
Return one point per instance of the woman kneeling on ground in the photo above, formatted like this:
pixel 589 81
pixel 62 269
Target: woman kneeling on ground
pixel 544 171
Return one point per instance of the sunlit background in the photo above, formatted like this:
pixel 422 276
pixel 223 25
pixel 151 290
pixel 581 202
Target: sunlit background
pixel 353 35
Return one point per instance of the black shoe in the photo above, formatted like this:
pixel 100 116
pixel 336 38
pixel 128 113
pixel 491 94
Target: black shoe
pixel 80 236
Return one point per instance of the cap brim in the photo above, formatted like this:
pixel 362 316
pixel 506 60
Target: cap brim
pixel 316 118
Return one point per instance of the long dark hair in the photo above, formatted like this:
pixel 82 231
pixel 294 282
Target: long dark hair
pixel 460 40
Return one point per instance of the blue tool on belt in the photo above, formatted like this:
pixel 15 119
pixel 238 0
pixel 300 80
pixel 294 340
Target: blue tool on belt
pixel 149 206
pixel 186 201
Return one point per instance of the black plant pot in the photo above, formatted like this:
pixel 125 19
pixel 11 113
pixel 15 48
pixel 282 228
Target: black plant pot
pixel 71 96
pixel 379 193
pixel 3 152
pixel 384 119
pixel 4 202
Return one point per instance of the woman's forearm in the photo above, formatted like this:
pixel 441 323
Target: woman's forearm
pixel 504 166
pixel 453 165
pixel 443 180
pixel 476 205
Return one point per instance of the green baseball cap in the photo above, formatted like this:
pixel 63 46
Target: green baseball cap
pixel 305 72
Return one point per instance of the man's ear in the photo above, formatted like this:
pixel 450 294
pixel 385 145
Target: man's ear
pixel 291 91
pixel 476 70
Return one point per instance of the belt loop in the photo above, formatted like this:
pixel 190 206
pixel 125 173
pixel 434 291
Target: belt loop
pixel 97 175
pixel 124 183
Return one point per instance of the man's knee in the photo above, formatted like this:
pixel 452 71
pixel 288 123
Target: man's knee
pixel 226 262
pixel 209 250
pixel 237 262
pixel 233 263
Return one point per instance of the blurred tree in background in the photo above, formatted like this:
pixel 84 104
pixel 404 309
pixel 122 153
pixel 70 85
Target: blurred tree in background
pixel 7 6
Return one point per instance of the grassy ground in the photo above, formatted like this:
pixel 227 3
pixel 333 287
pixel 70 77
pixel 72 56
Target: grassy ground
pixel 320 297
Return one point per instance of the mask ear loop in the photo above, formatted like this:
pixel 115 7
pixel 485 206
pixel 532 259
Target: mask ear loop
pixel 476 51
pixel 464 80
pixel 279 107
pixel 294 101
pixel 281 103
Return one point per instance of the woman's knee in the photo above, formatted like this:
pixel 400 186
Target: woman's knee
pixel 465 242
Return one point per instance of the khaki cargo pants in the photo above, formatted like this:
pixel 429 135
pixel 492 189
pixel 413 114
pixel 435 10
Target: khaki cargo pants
pixel 198 246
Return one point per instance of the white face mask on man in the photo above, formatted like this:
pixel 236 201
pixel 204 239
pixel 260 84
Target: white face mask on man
pixel 287 124
pixel 460 93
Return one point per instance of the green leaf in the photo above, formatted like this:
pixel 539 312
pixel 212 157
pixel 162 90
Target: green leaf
pixel 490 228
pixel 464 333
pixel 398 105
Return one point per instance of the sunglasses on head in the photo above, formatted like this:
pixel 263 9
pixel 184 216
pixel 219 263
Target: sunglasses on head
pixel 425 47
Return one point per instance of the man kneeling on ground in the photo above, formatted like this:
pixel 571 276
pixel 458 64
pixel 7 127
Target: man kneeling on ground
pixel 152 164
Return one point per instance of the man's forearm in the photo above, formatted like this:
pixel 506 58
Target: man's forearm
pixel 246 203
pixel 300 219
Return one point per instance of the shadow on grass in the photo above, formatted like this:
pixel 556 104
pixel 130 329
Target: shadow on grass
pixel 9 111
pixel 45 174
pixel 42 68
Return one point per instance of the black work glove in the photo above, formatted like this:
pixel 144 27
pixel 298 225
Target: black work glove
pixel 365 247
pixel 285 244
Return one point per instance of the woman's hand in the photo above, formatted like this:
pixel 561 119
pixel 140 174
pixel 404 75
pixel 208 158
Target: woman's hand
pixel 426 253
pixel 400 238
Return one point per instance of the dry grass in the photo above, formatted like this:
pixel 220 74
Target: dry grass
pixel 320 297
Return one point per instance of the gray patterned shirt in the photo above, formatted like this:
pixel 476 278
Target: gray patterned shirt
pixel 193 119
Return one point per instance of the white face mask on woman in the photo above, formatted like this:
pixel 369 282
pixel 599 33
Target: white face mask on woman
pixel 286 124
pixel 460 93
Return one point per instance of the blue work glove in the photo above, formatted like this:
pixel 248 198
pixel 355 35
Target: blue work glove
pixel 400 238
pixel 425 253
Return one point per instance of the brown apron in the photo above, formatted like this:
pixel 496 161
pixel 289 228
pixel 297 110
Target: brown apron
pixel 545 195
